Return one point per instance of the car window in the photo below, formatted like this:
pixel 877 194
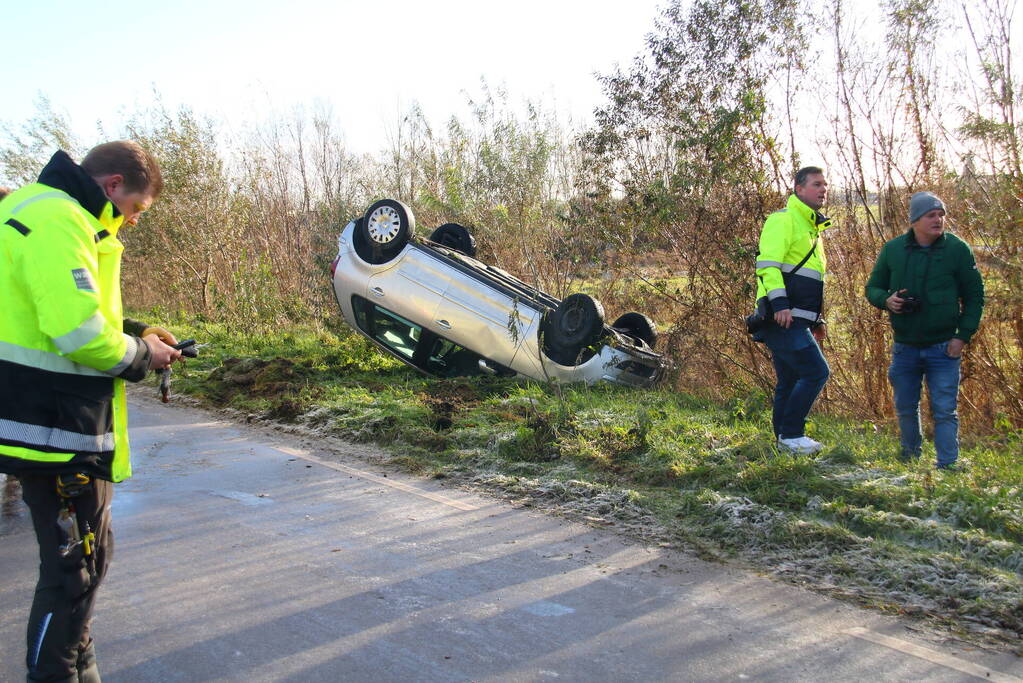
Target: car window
pixel 390 329
pixel 448 359
pixel 436 355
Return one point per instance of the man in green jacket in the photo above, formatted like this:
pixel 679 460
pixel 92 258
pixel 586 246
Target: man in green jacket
pixel 65 353
pixel 927 280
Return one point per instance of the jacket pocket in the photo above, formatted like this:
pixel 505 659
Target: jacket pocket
pixel 85 412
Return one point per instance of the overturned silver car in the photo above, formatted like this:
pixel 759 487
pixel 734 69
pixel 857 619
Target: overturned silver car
pixel 429 303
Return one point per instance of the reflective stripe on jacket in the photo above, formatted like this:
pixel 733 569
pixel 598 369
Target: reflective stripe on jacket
pixel 62 348
pixel 787 237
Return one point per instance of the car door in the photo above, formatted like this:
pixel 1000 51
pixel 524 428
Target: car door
pixel 479 317
pixel 412 287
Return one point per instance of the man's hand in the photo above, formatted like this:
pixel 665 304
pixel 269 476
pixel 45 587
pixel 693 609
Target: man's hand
pixel 894 302
pixel 165 336
pixel 820 332
pixel 784 318
pixel 955 347
pixel 161 355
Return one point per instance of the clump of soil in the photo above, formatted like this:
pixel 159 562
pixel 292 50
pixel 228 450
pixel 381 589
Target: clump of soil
pixel 449 398
pixel 277 379
pixel 286 408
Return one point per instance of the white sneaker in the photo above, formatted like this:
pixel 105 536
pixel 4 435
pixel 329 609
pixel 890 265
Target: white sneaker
pixel 817 446
pixel 801 444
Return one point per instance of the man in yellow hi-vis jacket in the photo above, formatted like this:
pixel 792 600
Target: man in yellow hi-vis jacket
pixel 790 291
pixel 65 351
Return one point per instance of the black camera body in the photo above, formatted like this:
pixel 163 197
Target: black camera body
pixel 755 322
pixel 911 303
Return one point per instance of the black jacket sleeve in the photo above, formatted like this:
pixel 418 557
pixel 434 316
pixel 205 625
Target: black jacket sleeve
pixel 139 366
pixel 134 327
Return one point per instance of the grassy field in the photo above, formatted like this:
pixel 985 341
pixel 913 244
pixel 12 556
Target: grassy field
pixel 670 468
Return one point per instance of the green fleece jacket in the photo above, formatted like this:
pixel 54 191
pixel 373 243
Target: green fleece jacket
pixel 944 277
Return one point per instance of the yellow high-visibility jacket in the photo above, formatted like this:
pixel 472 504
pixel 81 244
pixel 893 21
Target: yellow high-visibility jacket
pixel 787 237
pixel 64 354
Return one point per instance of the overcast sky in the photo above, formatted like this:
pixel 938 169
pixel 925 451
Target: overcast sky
pixel 241 61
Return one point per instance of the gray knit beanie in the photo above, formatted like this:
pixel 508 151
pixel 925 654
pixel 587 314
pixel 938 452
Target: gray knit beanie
pixel 922 202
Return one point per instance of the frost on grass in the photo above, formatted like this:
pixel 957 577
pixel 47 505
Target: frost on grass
pixel 317 416
pixel 954 584
pixel 594 418
pixel 756 519
pixel 577 499
pixel 936 533
pixel 879 479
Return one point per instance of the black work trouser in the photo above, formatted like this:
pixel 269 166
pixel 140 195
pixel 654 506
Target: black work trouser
pixel 59 645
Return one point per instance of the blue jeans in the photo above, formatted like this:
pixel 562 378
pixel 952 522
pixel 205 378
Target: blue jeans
pixel 801 371
pixel 910 365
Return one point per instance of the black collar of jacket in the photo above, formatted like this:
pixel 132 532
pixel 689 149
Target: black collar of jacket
pixel 64 174
pixel 911 242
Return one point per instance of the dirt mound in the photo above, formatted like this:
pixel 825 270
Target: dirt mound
pixel 448 398
pixel 278 379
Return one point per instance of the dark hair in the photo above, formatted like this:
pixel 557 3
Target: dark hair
pixel 4 192
pixel 124 157
pixel 805 172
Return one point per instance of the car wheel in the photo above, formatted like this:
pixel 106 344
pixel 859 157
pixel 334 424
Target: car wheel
pixel 577 322
pixel 639 326
pixel 455 236
pixel 384 231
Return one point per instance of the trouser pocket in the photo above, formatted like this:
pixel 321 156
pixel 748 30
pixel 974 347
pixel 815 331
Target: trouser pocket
pixel 75 571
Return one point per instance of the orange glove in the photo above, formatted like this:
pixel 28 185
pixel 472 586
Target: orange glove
pixel 165 336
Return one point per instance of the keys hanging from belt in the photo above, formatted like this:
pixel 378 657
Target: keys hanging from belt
pixel 67 521
pixel 70 485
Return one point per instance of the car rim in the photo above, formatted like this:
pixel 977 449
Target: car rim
pixel 383 225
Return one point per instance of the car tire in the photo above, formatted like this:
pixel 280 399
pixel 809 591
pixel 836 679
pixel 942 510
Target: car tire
pixel 639 326
pixel 455 236
pixel 577 322
pixel 383 232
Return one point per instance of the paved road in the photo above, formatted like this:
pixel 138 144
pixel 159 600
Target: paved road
pixel 247 556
